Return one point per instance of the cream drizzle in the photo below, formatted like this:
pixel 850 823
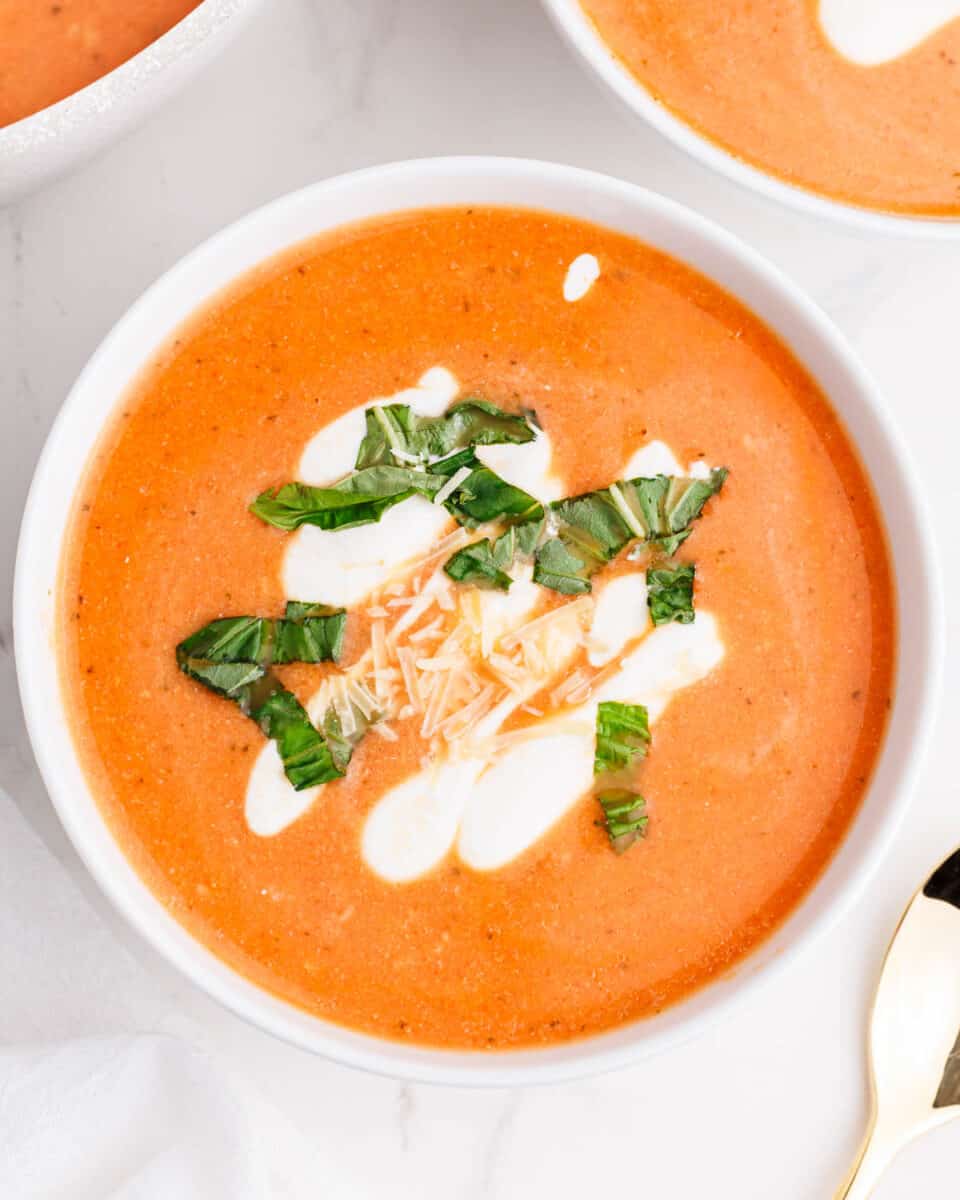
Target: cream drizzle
pixel 871 32
pixel 581 275
pixel 491 803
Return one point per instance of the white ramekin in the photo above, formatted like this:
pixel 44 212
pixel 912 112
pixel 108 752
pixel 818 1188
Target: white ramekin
pixel 42 146
pixel 581 34
pixel 549 187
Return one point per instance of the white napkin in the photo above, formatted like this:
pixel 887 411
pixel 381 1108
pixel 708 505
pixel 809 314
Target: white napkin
pixel 135 1117
pixel 90 1107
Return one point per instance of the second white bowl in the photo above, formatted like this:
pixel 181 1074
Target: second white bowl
pixel 42 146
pixel 578 30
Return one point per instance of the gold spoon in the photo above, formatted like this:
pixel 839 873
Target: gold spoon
pixel 914 1030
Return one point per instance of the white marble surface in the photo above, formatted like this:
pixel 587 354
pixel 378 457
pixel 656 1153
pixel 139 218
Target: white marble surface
pixel 772 1102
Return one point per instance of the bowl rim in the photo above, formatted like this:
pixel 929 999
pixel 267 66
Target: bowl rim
pixel 584 39
pixel 48 506
pixel 115 90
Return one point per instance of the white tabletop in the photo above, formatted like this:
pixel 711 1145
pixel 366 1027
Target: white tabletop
pixel 771 1103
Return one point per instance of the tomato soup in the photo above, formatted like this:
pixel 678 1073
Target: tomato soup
pixel 50 50
pixel 598 749
pixel 858 102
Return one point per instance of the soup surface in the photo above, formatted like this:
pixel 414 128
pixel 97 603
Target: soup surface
pixel 455 888
pixel 858 101
pixel 49 51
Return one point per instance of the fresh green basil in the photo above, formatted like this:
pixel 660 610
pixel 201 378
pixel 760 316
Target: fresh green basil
pixel 404 455
pixel 624 817
pixel 483 496
pixel 486 563
pixel 562 569
pixel 670 593
pixel 623 736
pixel 395 434
pixel 360 499
pixel 476 564
pixel 594 528
pixel 308 758
pixel 233 656
pixel 308 633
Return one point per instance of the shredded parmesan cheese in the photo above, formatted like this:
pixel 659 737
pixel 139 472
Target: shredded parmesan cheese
pixel 579 608
pixel 447 662
pixel 533 660
pixel 378 644
pixel 437 706
pixel 361 697
pixel 433 630
pixel 452 484
pixel 344 709
pixel 457 724
pixel 515 737
pixel 571 684
pixel 507 672
pixel 407 665
pixel 581 693
pixel 422 604
pixel 385 731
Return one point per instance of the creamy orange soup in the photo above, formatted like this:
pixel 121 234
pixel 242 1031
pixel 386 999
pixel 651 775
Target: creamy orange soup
pixel 50 50
pixel 872 119
pixel 760 753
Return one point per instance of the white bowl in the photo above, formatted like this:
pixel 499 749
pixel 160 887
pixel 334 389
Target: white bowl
pixel 40 147
pixel 621 206
pixel 582 35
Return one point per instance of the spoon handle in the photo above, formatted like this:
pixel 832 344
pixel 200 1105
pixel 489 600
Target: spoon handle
pixel 872 1160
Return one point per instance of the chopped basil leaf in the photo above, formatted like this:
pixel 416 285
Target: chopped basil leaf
pixel 486 563
pixel 524 538
pixel 624 817
pixel 230 679
pixel 595 523
pixel 595 527
pixel 477 564
pixel 482 496
pixel 341 745
pixel 307 758
pixel 670 593
pixel 404 455
pixel 232 656
pixel 231 640
pixel 309 633
pixel 623 735
pixel 396 434
pixel 561 568
pixel 360 499
pixel 685 504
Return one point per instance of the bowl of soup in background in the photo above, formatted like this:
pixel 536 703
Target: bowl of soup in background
pixel 98 73
pixel 684 71
pixel 487 184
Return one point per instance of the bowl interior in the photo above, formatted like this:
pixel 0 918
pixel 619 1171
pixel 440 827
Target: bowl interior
pixel 579 31
pixel 520 183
